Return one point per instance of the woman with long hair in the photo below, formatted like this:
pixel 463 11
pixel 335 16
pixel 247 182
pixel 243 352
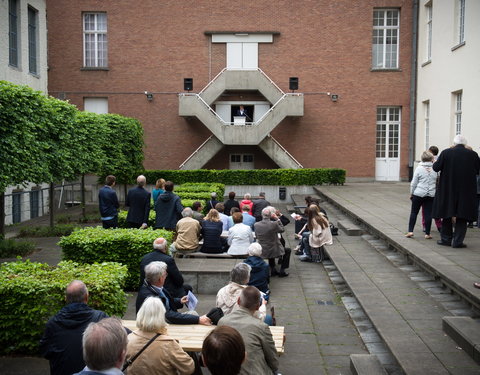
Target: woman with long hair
pixel 320 235
pixel 212 228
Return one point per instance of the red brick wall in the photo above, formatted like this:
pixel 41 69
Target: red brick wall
pixel 154 45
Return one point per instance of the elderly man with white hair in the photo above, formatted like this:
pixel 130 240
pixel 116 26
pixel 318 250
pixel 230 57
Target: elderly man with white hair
pixel 456 198
pixel 138 203
pixel 260 273
pixel 188 233
pixel 155 275
pixel 174 282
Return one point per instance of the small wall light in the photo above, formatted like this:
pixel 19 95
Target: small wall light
pixel 334 97
pixel 149 95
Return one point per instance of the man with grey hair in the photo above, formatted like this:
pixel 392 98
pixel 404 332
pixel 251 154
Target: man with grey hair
pixel 138 203
pixel 258 205
pixel 267 232
pixel 174 282
pixel 155 275
pixel 104 347
pixel 456 198
pixel 212 202
pixel 61 343
pixel 188 233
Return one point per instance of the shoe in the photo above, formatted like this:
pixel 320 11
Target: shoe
pixel 272 314
pixel 273 272
pixel 440 242
pixel 470 225
pixel 461 246
pixel 299 252
pixel 409 235
pixel 305 258
pixel 476 285
pixel 282 274
pixel 428 237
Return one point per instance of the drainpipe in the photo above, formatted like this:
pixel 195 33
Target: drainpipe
pixel 413 91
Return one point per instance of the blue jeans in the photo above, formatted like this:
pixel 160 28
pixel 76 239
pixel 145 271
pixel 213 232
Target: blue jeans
pixel 305 244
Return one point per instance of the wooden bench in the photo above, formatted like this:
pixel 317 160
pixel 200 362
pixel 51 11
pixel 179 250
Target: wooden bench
pixel 191 336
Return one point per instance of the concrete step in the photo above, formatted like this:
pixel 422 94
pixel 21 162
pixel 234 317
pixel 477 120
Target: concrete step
pixel 465 332
pixel 366 364
pixel 349 228
pixel 407 319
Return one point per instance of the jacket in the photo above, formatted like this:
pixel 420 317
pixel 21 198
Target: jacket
pixel 229 204
pixel 319 237
pixel 61 343
pixel 138 201
pixel 171 315
pixel 258 206
pixel 262 357
pixel 168 210
pixel 164 356
pixel 108 202
pixel 211 233
pixel 188 234
pixel 174 281
pixel 248 220
pixel 424 180
pixel 240 237
pixel 260 273
pixel 267 235
pixel 227 298
pixel 247 202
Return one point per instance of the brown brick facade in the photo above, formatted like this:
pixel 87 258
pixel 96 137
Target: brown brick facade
pixel 153 45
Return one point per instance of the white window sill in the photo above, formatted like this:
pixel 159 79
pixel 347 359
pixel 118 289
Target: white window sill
pixel 426 63
pixel 385 70
pixel 458 46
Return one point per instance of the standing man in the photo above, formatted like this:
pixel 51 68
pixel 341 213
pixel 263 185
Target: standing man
pixel 456 198
pixel 258 205
pixel 138 201
pixel 108 203
pixel 262 357
pixel 168 208
pixel 61 343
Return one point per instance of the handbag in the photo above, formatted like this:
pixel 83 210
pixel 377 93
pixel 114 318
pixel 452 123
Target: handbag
pixel 128 362
pixel 215 315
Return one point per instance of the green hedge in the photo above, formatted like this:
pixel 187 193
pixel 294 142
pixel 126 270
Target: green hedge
pixel 287 177
pixel 202 187
pixel 44 231
pixel 125 246
pixel 32 292
pixel 122 219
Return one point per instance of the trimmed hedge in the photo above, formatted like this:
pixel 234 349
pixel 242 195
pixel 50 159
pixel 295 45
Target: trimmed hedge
pixel 44 231
pixel 33 292
pixel 122 219
pixel 125 246
pixel 287 177
pixel 202 187
pixel 11 248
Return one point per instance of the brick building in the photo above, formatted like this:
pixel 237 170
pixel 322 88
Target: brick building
pixel 352 59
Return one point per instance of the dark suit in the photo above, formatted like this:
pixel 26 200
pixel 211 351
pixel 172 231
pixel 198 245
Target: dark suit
pixel 174 281
pixel 171 315
pixel 138 201
pixel 108 204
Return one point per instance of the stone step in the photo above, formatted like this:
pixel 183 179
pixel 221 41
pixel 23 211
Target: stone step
pixel 465 332
pixel 349 228
pixel 366 364
pixel 407 319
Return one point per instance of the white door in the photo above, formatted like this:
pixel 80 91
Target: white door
pixel 242 55
pixel 242 161
pixel 387 163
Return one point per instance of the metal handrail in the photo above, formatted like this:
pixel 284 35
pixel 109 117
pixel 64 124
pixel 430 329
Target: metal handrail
pixel 285 150
pixel 195 152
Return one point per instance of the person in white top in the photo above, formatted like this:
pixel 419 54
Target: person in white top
pixel 422 192
pixel 240 236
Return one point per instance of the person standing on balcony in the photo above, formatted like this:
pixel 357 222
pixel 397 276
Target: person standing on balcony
pixel 242 112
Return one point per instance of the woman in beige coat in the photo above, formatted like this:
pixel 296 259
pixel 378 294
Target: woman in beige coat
pixel 162 356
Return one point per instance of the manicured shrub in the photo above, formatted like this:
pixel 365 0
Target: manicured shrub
pixel 44 231
pixel 125 246
pixel 12 248
pixel 122 219
pixel 32 292
pixel 202 187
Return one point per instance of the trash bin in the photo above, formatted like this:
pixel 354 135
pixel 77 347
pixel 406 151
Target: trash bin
pixel 282 193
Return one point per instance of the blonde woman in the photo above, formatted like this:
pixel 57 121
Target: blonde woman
pixel 159 189
pixel 212 228
pixel 164 355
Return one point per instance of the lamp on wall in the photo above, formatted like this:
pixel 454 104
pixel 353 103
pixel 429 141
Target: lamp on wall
pixel 334 97
pixel 149 96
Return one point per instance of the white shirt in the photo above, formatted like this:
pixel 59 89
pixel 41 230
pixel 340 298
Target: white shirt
pixel 224 219
pixel 240 236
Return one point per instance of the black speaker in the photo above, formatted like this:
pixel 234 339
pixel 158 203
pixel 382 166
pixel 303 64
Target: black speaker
pixel 188 84
pixel 293 83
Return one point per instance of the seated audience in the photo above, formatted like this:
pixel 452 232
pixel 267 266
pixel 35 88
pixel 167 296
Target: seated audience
pixel 223 218
pixel 61 343
pixel 174 283
pixel 240 236
pixel 188 233
pixel 155 275
pixel 213 242
pixel 230 219
pixel 230 203
pixel 223 351
pixel 104 347
pixel 259 274
pixel 247 218
pixel 246 201
pixel 197 211
pixel 262 356
pixel 164 355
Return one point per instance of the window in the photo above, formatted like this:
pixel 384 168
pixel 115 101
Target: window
pixel 428 11
pixel 458 113
pixel 13 32
pixel 34 202
pixel 385 39
pixel 388 132
pixel 32 40
pixel 461 21
pixel 96 105
pixel 426 108
pixel 95 40
pixel 16 207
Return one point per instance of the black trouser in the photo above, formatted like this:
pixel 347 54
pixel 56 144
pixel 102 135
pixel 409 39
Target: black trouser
pixel 133 225
pixel 417 202
pixel 112 223
pixel 284 260
pixel 454 238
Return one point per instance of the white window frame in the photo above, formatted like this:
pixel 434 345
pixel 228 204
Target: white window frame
pixel 100 48
pixel 426 111
pixel 429 19
pixel 385 31
pixel 393 117
pixel 458 112
pixel 461 21
pixel 32 16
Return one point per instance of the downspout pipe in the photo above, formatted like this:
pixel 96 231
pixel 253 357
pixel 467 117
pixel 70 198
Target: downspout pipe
pixel 413 91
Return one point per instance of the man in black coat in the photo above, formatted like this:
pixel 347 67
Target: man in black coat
pixel 61 343
pixel 168 208
pixel 258 205
pixel 138 201
pixel 155 275
pixel 456 196
pixel 108 203
pixel 174 282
